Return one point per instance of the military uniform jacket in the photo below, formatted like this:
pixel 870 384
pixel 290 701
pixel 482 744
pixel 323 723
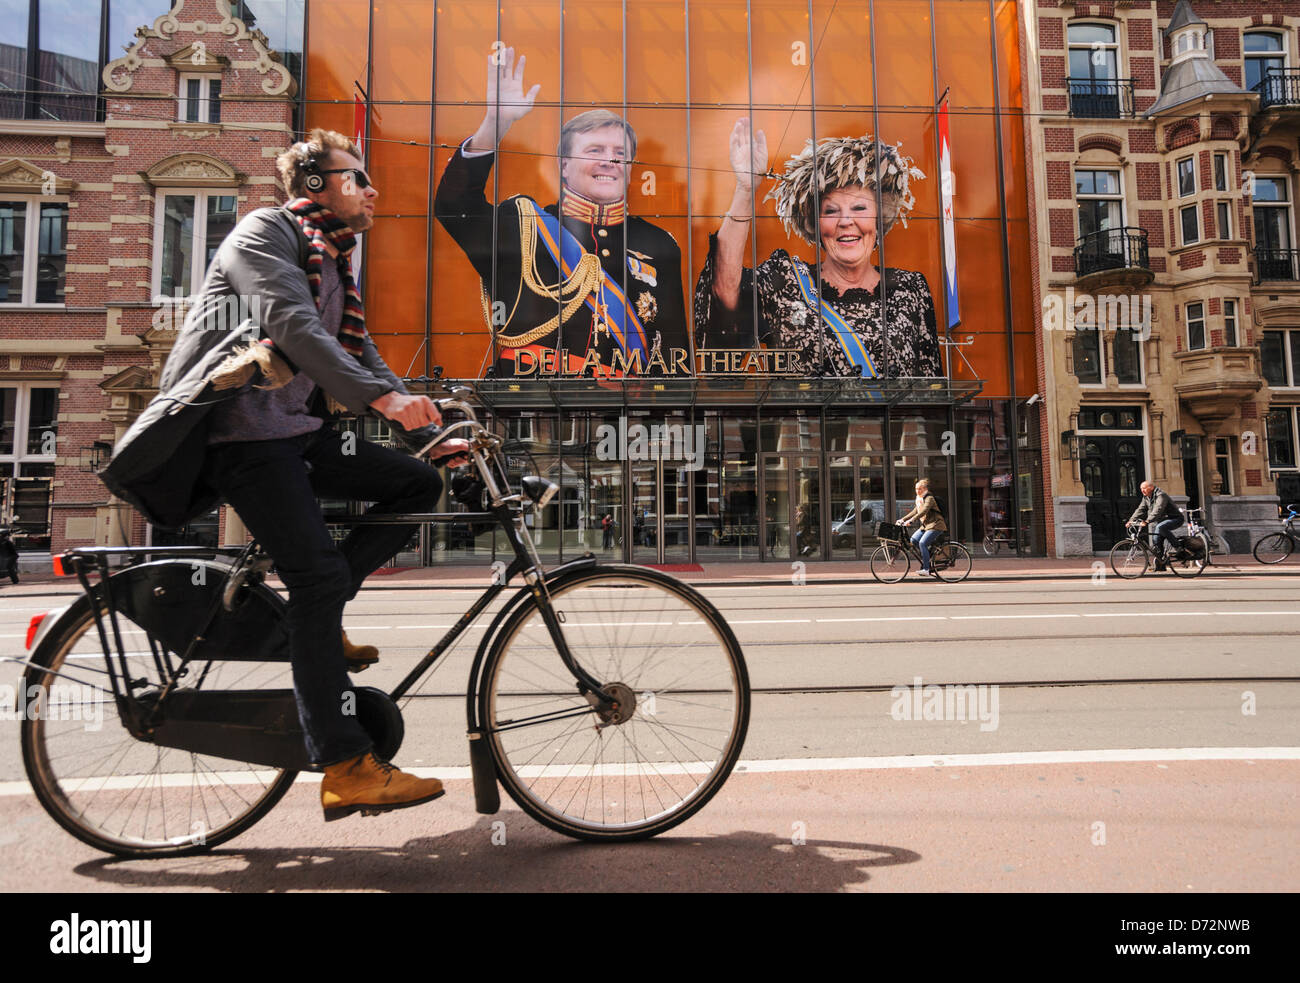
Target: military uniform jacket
pixel 648 273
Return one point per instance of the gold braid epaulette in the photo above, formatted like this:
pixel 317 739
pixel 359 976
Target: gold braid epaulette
pixel 579 285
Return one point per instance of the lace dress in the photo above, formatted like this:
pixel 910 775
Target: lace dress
pixel 905 343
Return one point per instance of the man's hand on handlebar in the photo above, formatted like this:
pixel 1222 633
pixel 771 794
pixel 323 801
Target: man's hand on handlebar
pixel 412 412
pixel 451 453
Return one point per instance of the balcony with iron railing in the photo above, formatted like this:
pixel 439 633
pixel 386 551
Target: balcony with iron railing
pixel 1276 264
pixel 1113 256
pixel 1100 98
pixel 1279 89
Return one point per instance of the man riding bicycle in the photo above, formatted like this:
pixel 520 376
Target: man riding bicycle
pixel 240 415
pixel 1157 510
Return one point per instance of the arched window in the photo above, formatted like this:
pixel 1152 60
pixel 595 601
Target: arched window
pixel 1092 478
pixel 1265 52
pixel 1094 71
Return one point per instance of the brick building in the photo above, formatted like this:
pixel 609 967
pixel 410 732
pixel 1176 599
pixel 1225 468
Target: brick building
pixel 1165 145
pixel 118 178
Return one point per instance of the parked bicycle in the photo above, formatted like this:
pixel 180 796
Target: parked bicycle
pixel 1132 556
pixel 1277 546
pixel 891 560
pixel 610 701
pixel 1213 544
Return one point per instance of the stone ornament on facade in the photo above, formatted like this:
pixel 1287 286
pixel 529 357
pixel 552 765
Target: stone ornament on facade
pixel 21 177
pixel 119 73
pixel 192 171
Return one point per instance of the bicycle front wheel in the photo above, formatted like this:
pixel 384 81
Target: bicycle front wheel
pixel 889 563
pixel 951 562
pixel 1128 559
pixel 125 796
pixel 676 669
pixel 1274 548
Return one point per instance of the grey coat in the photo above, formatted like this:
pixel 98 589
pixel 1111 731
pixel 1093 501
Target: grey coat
pixel 156 465
pixel 1155 508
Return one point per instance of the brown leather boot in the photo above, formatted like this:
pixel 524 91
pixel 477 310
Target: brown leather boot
pixel 370 786
pixel 359 657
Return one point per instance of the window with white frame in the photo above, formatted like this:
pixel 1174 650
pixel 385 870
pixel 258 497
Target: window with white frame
pixel 1195 326
pixel 29 414
pixel 1270 204
pixel 1190 223
pixel 1186 170
pixel 33 250
pixel 1098 200
pixel 188 228
pixel 1265 52
pixel 1223 462
pixel 1223 211
pixel 1230 323
pixel 1220 172
pixel 199 100
pixel 1087 354
pixel 519 428
pixel 1281 427
pixel 1279 355
pixel 1127 348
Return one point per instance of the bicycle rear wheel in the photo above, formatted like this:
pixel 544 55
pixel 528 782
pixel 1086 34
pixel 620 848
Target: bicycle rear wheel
pixel 1274 548
pixel 126 796
pixel 1191 566
pixel 1129 559
pixel 677 671
pixel 951 562
pixel 889 563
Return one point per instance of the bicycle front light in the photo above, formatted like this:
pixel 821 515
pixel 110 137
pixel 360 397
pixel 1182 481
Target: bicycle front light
pixel 539 491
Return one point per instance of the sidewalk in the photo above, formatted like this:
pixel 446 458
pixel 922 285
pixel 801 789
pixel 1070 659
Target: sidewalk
pixel 992 569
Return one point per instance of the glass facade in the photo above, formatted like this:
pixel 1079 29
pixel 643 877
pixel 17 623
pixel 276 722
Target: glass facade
pixel 53 53
pixel 747 478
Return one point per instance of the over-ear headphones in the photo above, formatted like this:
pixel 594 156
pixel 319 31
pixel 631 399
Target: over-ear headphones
pixel 314 181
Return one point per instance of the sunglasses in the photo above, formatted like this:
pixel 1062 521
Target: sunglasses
pixel 362 179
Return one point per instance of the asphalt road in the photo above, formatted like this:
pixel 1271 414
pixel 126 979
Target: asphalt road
pixel 1160 666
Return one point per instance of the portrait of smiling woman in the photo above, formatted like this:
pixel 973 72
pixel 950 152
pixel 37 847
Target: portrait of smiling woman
pixel 854 319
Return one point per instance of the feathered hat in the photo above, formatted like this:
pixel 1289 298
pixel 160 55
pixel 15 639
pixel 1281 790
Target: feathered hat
pixel 841 162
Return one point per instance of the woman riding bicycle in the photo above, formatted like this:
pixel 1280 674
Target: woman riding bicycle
pixel 927 512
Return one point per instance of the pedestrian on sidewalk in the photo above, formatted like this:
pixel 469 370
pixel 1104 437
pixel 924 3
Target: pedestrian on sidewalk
pixel 8 556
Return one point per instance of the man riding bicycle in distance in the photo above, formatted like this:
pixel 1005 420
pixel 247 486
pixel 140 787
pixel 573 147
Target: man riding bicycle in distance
pixel 1157 510
pixel 242 415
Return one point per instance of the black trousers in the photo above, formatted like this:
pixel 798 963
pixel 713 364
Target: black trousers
pixel 273 485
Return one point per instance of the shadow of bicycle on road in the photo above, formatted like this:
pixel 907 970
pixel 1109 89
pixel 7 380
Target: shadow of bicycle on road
pixel 532 859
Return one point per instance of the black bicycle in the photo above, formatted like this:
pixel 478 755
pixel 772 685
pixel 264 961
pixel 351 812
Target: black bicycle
pixel 891 560
pixel 1132 556
pixel 1277 546
pixel 610 701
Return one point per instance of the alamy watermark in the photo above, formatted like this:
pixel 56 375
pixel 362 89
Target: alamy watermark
pixel 953 701
pixel 657 442
pixel 62 702
pixel 224 314
pixel 1097 312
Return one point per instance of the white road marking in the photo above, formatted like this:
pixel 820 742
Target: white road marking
pixel 934 617
pixel 990 617
pixel 1010 758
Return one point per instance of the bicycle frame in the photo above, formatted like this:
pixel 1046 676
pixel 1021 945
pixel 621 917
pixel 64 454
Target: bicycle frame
pixel 248 564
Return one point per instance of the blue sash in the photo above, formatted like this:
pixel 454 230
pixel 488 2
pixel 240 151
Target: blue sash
pixel 850 344
pixel 615 310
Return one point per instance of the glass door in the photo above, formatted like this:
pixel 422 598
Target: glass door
pixel 792 506
pixel 659 503
pixel 857 503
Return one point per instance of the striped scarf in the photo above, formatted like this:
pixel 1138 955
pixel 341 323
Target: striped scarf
pixel 320 224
